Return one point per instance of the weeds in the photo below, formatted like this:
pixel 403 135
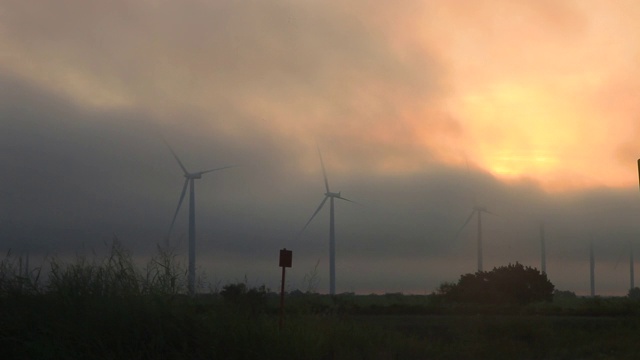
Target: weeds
pixel 164 275
pixel 115 276
pixel 16 279
pixel 109 308
pixel 311 279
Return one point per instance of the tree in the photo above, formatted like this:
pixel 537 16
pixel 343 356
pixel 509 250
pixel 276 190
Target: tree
pixel 511 284
pixel 634 293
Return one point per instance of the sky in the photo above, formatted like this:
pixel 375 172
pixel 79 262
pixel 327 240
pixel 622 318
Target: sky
pixel 421 109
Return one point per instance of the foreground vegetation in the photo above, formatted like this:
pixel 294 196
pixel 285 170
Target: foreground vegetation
pixel 110 309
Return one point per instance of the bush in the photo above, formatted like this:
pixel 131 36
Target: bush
pixel 253 300
pixel 634 293
pixel 512 284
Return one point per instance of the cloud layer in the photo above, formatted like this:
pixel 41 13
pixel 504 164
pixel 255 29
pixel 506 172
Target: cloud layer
pixel 422 110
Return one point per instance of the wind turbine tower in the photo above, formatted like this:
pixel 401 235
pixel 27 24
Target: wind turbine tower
pixel 592 266
pixel 189 181
pixel 543 251
pixel 477 210
pixel 631 272
pixel 331 196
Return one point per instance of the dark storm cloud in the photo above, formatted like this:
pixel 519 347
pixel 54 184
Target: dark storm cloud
pixel 294 70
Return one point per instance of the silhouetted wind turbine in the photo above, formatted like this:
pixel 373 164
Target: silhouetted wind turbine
pixel 479 210
pixel 332 231
pixel 631 272
pixel 592 270
pixel 543 251
pixel 189 180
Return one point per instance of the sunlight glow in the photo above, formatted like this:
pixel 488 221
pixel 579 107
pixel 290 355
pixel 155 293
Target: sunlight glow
pixel 528 130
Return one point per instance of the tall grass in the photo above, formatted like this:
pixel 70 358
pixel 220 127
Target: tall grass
pixel 14 279
pixel 117 275
pixel 108 308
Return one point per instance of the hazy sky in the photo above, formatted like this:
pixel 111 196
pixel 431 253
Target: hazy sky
pixel 422 109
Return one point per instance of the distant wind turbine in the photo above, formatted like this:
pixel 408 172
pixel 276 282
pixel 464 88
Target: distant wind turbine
pixel 477 210
pixel 592 270
pixel 189 180
pixel 332 231
pixel 543 251
pixel 631 272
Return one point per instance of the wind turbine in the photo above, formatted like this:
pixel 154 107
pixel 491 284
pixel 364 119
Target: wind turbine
pixel 592 270
pixel 332 230
pixel 543 251
pixel 631 272
pixel 477 210
pixel 190 178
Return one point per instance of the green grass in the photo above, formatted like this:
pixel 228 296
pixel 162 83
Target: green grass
pixel 109 309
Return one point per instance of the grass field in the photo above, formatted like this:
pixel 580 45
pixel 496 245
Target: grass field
pixel 108 309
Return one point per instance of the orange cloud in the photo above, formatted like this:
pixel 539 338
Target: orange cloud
pixel 540 89
pixel 532 85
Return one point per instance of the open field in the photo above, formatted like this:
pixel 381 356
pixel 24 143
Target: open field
pixel 110 310
pixel 517 337
pixel 47 326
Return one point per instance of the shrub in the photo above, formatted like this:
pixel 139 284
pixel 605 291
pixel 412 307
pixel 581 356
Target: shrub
pixel 254 300
pixel 512 284
pixel 634 293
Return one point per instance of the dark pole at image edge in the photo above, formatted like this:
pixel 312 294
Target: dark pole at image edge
pixel 631 262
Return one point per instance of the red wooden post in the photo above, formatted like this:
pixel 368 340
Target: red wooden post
pixel 285 262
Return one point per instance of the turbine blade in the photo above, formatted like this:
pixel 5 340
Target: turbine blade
pixel 324 172
pixel 216 169
pixel 176 156
pixel 345 199
pixel 184 191
pixel 489 212
pixel 465 223
pixel 314 214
